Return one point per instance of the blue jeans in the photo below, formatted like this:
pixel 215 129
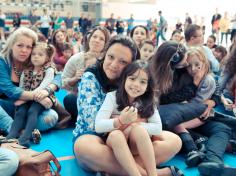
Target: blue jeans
pixel 8 162
pixel 46 120
pixel 5 120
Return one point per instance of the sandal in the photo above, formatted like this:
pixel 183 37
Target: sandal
pixel 174 170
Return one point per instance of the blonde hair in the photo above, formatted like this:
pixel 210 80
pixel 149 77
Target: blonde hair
pixel 199 52
pixel 6 53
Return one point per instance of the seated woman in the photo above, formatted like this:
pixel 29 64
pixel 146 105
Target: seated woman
pixel 75 67
pixel 14 58
pixel 94 85
pixel 175 85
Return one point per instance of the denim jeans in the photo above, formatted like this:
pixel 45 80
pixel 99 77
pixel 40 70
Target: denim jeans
pixel 218 137
pixel 46 120
pixel 8 162
pixel 5 120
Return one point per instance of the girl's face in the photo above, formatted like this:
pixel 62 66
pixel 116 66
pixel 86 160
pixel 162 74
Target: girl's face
pixel 97 42
pixel 210 42
pixel 67 53
pixel 136 84
pixel 22 48
pixel 146 51
pixel 139 35
pixel 176 37
pixel 60 37
pixel 194 65
pixel 38 56
pixel 117 58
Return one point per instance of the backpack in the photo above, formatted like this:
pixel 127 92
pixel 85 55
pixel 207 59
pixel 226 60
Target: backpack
pixel 33 163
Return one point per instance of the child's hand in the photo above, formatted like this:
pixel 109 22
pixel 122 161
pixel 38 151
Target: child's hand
pixel 79 73
pixel 128 115
pixel 228 104
pixel 19 102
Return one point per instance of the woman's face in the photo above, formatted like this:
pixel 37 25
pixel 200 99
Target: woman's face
pixel 60 37
pixel 97 42
pixel 22 48
pixel 139 35
pixel 117 58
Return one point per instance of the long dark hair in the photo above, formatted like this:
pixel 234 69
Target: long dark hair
pixel 230 66
pixel 161 65
pixel 144 103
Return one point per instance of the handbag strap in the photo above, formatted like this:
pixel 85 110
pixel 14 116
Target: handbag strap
pixel 55 161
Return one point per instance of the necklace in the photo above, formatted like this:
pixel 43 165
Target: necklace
pixel 18 73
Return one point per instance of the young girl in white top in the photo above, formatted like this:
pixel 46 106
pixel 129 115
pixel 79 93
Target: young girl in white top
pixel 130 118
pixel 38 76
pixel 199 69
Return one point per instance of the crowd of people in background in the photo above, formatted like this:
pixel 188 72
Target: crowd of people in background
pixel 121 83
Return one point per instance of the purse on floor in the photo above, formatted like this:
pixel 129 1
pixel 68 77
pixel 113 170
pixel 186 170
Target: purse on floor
pixel 33 163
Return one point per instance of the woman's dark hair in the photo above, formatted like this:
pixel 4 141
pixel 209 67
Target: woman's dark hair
pixel 144 27
pixel 230 66
pixel 125 41
pixel 89 34
pixel 163 62
pixel 144 103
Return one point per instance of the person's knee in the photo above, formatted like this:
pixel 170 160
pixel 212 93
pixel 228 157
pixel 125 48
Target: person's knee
pixel 138 131
pixel 221 127
pixel 115 137
pixel 47 120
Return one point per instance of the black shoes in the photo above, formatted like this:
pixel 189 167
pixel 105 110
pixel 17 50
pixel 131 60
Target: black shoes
pixel 215 169
pixel 194 158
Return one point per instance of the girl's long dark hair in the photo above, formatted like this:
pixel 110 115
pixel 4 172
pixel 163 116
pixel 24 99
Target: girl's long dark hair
pixel 144 103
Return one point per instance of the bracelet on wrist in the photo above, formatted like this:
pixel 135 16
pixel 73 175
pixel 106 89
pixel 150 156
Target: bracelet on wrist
pixel 49 90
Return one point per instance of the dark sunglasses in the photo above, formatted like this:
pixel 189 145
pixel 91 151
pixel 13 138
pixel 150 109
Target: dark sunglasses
pixel 176 58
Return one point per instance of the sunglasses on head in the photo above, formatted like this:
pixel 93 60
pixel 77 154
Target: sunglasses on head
pixel 176 58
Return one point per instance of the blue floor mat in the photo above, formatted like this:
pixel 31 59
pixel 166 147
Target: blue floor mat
pixel 60 143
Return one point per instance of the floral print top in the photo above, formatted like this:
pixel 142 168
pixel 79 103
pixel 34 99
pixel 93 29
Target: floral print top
pixel 89 101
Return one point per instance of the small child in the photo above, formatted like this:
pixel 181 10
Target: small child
pixel 146 49
pixel 38 76
pixel 130 117
pixel 67 51
pixel 199 69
